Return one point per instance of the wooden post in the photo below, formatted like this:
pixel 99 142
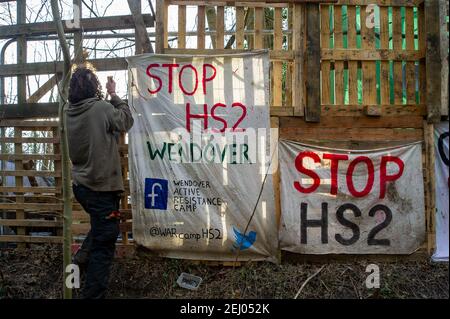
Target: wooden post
pixel 313 107
pixel 443 13
pixel 298 45
pixel 21 100
pixel 430 185
pixel 433 60
pixel 161 32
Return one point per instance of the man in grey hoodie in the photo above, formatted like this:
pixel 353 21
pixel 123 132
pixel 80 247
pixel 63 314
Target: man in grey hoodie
pixel 93 127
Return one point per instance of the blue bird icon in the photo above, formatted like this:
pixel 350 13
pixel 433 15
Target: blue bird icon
pixel 243 241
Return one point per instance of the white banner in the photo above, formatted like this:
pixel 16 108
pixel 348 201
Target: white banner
pixel 441 134
pixel 351 202
pixel 198 153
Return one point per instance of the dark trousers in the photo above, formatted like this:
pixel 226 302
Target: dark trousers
pixel 99 246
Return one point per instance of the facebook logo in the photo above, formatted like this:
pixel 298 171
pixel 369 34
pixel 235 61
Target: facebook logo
pixel 156 191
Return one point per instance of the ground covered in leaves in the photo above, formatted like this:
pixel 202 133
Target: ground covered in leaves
pixel 37 273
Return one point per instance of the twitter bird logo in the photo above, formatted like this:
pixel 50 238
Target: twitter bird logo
pixel 242 241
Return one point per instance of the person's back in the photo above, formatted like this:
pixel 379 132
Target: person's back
pixel 93 127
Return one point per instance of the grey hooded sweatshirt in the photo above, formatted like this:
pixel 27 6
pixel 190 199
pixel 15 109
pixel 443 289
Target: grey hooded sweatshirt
pixel 93 128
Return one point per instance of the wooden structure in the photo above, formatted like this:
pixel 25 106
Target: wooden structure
pixel 344 73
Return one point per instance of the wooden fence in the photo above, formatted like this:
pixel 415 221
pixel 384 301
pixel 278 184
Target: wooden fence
pixel 345 74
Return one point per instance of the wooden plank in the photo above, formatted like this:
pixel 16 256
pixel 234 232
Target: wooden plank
pixel 352 65
pixel 284 111
pixel 30 223
pixel 422 47
pixel 410 65
pixel 371 55
pixel 413 121
pixel 432 26
pixel 338 65
pixel 220 27
pixel 259 26
pixel 112 64
pixel 298 45
pixel 368 67
pixel 240 26
pixel 397 45
pixel 29 110
pixel 25 157
pixel 312 110
pixel 385 110
pixel 201 27
pixel 351 134
pixel 444 38
pixel 37 190
pixel 384 67
pixel 38 125
pixel 277 77
pixel 48 140
pixel 325 44
pixel 160 26
pixel 273 54
pixel 19 207
pixel 44 88
pixel 20 172
pixel 31 239
pixel 182 27
pixel 430 182
pixel 89 25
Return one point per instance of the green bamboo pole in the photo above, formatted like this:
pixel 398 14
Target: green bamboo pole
pixel 66 182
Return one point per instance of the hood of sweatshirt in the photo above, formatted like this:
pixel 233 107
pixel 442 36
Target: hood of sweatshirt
pixel 81 106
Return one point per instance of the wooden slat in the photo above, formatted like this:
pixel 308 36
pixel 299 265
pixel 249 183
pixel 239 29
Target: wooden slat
pixel 220 27
pixel 44 89
pixel 273 54
pixel 45 140
pixel 338 65
pixel 240 26
pixel 413 121
pixel 397 42
pixel 422 46
pixel 259 26
pixel 160 26
pixel 312 111
pixel 30 223
pixel 385 110
pixel 29 124
pixel 89 25
pixel 30 157
pixel 368 67
pixel 434 65
pixel 325 44
pixel 31 239
pixel 444 38
pixel 352 65
pixel 372 55
pixel 298 38
pixel 20 172
pixel 384 68
pixel 37 190
pixel 351 134
pixel 410 65
pixel 201 27
pixel 181 27
pixel 277 77
pixel 20 207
